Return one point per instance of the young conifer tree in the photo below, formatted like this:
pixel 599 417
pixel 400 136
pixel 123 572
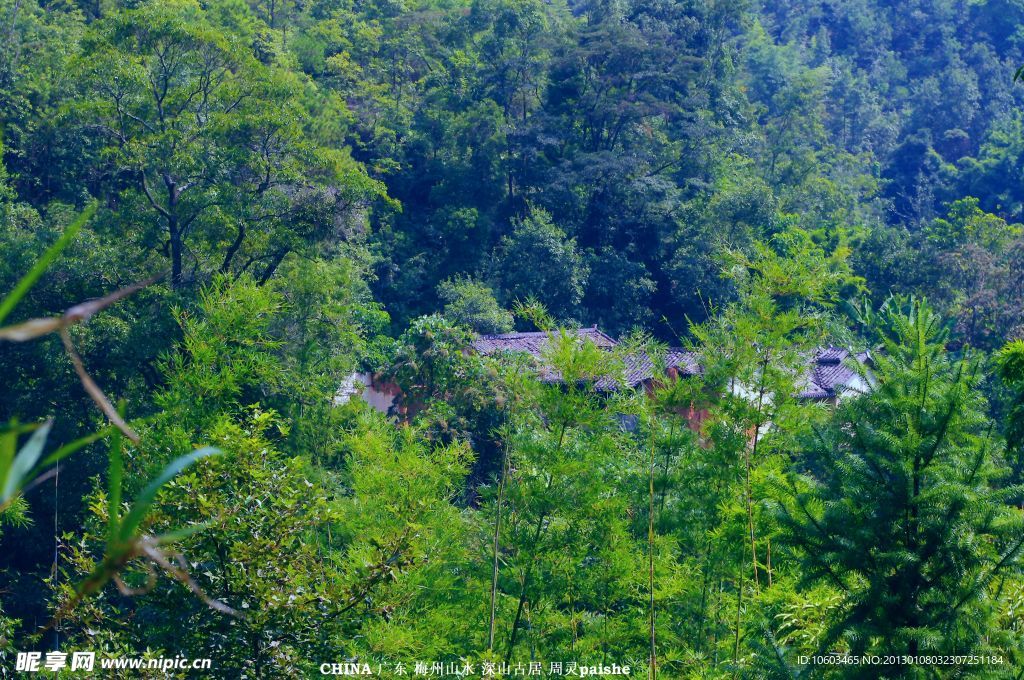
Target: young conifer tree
pixel 898 508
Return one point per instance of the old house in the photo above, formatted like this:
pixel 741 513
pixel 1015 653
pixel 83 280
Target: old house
pixel 829 375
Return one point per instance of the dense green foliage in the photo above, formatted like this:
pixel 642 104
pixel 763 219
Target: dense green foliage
pixel 900 514
pixel 307 191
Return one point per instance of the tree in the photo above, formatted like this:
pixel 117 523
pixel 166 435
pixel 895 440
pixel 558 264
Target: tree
pixel 327 318
pixel 994 175
pixel 618 297
pixel 970 267
pixel 448 391
pixel 211 144
pixel 537 260
pixel 407 583
pixel 898 508
pixel 753 356
pixel 567 570
pixel 1010 363
pixel 265 531
pixel 967 223
pixel 471 303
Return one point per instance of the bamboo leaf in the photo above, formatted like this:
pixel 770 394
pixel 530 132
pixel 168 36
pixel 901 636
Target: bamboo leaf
pixel 8 442
pixel 25 461
pixel 145 499
pixel 71 447
pixel 30 330
pixel 27 281
pixel 183 533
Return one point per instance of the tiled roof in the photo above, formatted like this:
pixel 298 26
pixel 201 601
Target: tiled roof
pixel 639 368
pixel 534 343
pixel 831 373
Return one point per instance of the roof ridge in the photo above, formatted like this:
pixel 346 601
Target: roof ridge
pixel 510 335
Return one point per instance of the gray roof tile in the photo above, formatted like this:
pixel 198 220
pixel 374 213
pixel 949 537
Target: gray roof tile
pixel 534 343
pixel 829 373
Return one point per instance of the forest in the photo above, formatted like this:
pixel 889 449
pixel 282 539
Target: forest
pixel 216 214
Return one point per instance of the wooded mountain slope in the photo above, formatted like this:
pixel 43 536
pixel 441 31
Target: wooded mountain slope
pixel 316 187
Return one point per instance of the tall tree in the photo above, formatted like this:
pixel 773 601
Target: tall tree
pixel 211 143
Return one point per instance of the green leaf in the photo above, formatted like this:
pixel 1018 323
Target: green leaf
pixel 71 447
pixel 29 280
pixel 8 441
pixel 25 461
pixel 183 533
pixel 145 499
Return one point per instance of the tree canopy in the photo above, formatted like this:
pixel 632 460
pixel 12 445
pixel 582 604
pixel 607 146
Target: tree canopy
pixel 229 226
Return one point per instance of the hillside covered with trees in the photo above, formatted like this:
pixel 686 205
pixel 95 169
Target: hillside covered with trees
pixel 214 212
